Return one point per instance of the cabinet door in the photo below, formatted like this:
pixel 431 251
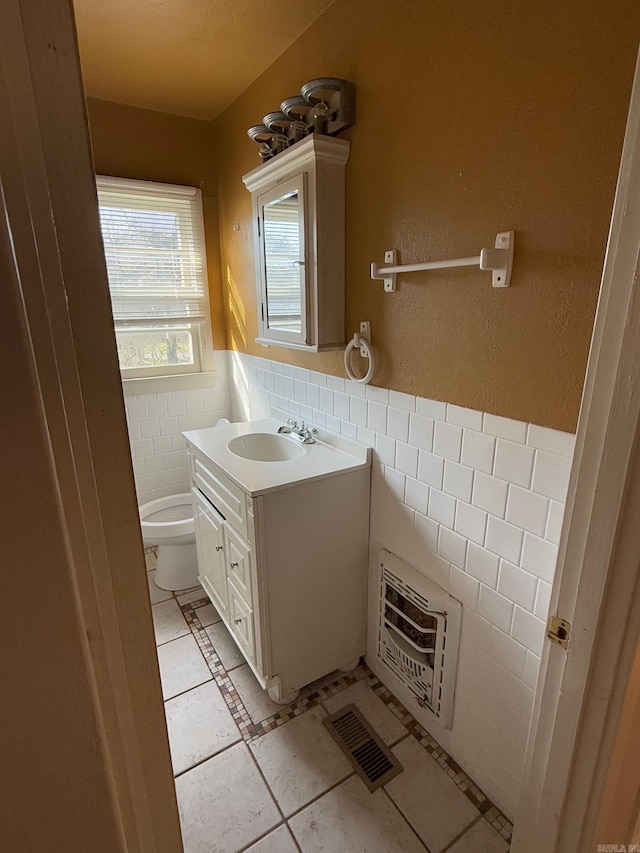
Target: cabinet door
pixel 210 547
pixel 238 557
pixel 283 267
pixel 241 622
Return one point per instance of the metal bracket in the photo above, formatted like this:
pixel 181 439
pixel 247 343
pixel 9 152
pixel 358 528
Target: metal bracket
pixel 500 259
pixel 365 332
pixel 558 631
pixel 389 279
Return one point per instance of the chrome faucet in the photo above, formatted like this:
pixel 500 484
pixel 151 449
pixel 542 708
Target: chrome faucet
pixel 302 431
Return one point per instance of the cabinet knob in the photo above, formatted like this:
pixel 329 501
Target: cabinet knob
pixel 238 620
pixel 234 565
pixel 218 547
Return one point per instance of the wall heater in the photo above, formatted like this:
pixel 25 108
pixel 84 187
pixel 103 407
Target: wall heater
pixel 419 635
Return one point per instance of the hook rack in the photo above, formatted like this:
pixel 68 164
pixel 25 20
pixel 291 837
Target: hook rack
pixel 499 260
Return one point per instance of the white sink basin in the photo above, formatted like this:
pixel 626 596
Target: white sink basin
pixel 265 447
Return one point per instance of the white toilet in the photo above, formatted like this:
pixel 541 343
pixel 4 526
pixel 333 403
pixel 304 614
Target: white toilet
pixel 169 524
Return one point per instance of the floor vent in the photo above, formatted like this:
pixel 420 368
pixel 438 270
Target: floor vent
pixel 374 763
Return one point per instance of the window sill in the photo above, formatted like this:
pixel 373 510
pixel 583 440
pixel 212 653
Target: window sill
pixel 164 384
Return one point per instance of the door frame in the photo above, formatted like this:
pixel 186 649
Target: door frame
pixel 581 692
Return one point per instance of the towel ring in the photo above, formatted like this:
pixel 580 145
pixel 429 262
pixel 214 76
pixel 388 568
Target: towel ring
pixel 358 341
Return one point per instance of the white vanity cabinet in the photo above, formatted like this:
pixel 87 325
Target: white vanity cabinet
pixel 286 569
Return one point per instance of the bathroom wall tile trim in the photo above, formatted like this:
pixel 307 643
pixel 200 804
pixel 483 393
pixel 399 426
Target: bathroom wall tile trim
pixel 473 501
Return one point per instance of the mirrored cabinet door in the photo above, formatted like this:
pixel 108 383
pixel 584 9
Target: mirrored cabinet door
pixel 283 249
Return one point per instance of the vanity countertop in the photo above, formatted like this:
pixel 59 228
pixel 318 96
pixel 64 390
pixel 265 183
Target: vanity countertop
pixel 328 456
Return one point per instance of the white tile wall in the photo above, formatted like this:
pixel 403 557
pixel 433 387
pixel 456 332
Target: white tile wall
pixel 156 421
pixel 475 502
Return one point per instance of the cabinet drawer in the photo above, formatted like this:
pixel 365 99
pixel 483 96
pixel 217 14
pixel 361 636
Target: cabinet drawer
pixel 241 622
pixel 228 498
pixel 238 558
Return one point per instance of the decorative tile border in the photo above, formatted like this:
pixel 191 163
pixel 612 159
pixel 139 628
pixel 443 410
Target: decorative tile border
pixel 313 695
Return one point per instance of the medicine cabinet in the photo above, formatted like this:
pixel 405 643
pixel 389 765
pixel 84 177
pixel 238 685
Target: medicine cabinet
pixel 298 215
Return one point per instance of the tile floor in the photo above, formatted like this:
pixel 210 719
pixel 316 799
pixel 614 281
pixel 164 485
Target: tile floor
pixel 255 776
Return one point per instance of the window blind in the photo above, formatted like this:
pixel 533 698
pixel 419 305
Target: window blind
pixel 282 256
pixel 154 248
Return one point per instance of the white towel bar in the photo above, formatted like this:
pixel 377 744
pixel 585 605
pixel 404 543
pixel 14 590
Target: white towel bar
pixel 499 260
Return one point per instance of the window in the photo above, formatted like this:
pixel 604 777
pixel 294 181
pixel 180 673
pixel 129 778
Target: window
pixel 154 246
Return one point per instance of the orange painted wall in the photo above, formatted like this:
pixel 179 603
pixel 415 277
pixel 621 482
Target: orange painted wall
pixel 130 142
pixel 473 117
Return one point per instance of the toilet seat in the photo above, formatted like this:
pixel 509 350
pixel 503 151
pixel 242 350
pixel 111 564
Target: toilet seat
pixel 167 518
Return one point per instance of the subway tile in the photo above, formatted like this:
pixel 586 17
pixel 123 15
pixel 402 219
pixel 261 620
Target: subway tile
pixel 395 481
pixel 149 429
pixel 176 407
pixel 528 630
pixel 333 424
pixel 458 480
pixel 278 384
pixel 306 413
pixel 554 522
pixel 442 508
pixel 259 377
pixel 194 405
pixel 299 391
pixel 205 420
pixel 142 448
pixel 519 696
pixel 551 475
pixel 452 547
pixel 400 400
pixel 157 409
pixel 552 440
pixel 510 754
pixel 507 651
pixel 303 374
pixel 478 450
pixel 490 494
pixel 469 418
pixel 319 418
pixel 527 510
pixel 447 440
pixel 505 428
pixel 532 666
pixel 496 608
pixel 137 411
pixel 421 431
pixel 178 442
pixel 186 422
pixel 274 366
pixel 341 405
pixel 288 387
pixel 184 393
pixel 173 459
pixel 431 408
pixel 416 495
pixel 358 411
pixel 377 395
pixel 133 428
pixel 463 587
pixel 154 463
pixel 355 389
pixel 482 564
pixel 319 379
pixel 289 370
pixel 543 598
pixel 268 383
pixel 163 444
pixel 326 401
pixel 517 585
pixel 377 417
pixel 504 539
pixel 365 436
pixel 427 530
pixel 349 430
pixel 335 383
pixel 312 395
pixel 539 557
pixel 470 522
pixel 398 424
pixel 406 459
pixel 386 449
pixel 146 481
pixel 430 469
pixel 514 463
